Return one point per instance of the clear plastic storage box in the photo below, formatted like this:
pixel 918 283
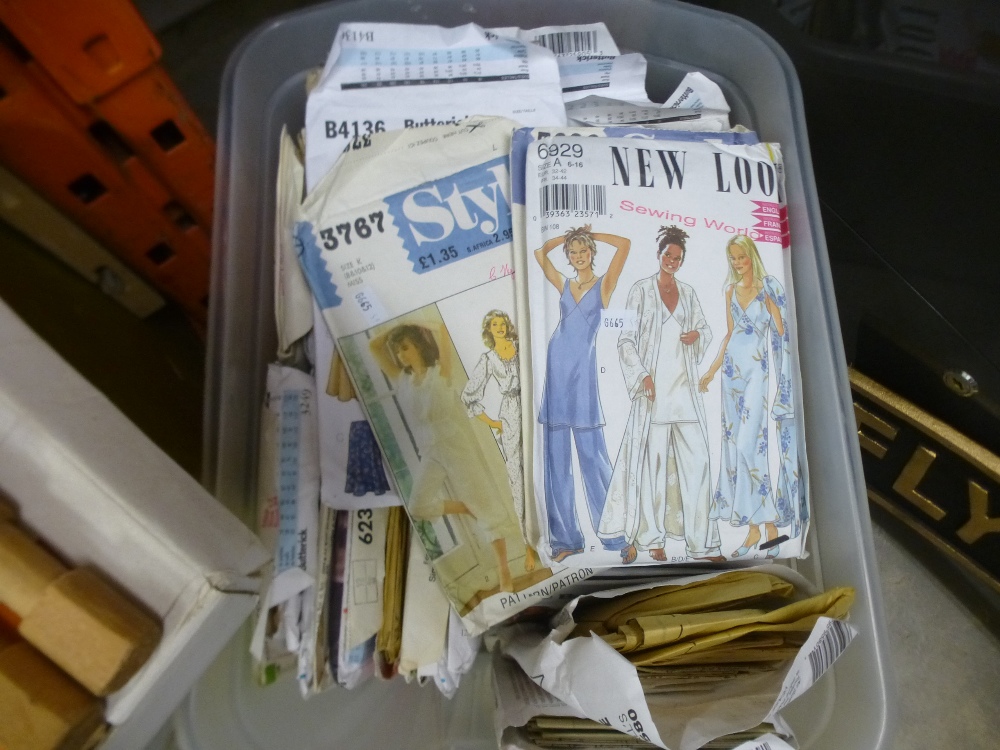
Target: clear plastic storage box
pixel 264 89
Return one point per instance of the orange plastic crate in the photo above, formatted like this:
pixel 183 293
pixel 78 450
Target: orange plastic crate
pixel 152 117
pixel 89 47
pixel 119 202
pixel 121 90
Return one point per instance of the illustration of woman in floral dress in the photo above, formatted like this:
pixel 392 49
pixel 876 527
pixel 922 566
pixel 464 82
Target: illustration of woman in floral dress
pixel 500 361
pixel 755 345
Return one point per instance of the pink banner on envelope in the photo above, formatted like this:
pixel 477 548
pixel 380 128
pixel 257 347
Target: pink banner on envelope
pixel 772 222
pixel 776 237
pixel 767 208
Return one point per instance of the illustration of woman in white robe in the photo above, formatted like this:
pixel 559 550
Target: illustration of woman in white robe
pixel 454 475
pixel 659 361
pixel 500 361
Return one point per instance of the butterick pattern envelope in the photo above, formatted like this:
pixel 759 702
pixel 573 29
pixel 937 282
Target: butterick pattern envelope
pixel 665 421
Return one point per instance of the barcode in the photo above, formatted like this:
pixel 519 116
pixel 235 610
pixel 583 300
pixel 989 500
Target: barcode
pixel 829 647
pixel 574 198
pixel 569 41
pixel 762 746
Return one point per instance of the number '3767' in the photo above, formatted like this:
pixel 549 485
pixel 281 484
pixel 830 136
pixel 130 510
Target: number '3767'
pixel 361 226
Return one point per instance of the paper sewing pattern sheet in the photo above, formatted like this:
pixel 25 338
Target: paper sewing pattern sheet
pixel 589 61
pixel 360 546
pixel 697 104
pixel 576 670
pixel 288 512
pixel 386 57
pixel 390 76
pixel 395 76
pixel 292 300
pixel 524 266
pixel 354 474
pixel 292 398
pixel 408 250
pixel 620 475
pixel 365 575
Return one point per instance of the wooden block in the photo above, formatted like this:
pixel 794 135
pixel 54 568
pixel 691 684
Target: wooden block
pixel 42 708
pixel 26 569
pixel 97 634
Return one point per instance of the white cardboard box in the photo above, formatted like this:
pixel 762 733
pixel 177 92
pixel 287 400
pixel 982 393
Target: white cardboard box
pixel 91 484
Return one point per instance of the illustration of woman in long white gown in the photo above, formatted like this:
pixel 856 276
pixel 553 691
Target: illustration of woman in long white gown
pixel 659 360
pixel 454 476
pixel 755 345
pixel 500 361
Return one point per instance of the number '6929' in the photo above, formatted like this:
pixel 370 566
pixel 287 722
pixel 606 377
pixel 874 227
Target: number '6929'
pixel 553 150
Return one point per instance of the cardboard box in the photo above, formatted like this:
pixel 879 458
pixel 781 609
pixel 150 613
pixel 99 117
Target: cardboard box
pixel 102 494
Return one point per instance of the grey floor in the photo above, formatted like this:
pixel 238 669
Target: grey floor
pixel 944 627
pixel 944 632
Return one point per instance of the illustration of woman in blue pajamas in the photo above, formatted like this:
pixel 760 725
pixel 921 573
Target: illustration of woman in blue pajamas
pixel 571 406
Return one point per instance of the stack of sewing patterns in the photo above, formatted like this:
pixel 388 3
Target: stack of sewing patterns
pixel 417 369
pixel 407 245
pixel 411 334
pixel 382 79
pixel 664 423
pixel 379 78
